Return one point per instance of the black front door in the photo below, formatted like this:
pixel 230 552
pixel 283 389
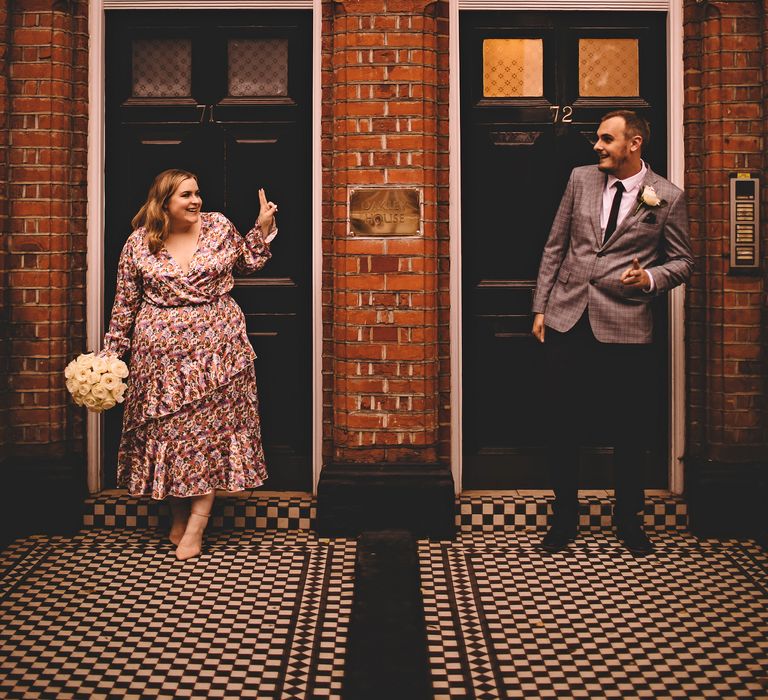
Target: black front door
pixel 227 96
pixel 533 89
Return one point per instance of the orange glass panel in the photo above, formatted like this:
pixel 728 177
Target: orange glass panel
pixel 513 68
pixel 609 68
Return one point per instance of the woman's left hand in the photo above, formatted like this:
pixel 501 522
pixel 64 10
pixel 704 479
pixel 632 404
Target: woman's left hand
pixel 267 213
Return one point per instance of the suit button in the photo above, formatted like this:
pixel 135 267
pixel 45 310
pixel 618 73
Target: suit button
pixel 593 282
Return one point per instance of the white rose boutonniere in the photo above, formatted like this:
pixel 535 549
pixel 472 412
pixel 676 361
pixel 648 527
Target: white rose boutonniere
pixel 648 198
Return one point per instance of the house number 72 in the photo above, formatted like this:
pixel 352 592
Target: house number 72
pixel 564 114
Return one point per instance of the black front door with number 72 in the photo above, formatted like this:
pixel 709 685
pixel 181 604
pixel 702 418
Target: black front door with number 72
pixel 533 89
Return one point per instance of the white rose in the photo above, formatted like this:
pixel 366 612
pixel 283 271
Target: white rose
pixel 78 399
pixel 118 392
pixel 69 370
pixel 108 403
pixel 118 368
pixel 72 386
pixel 91 402
pixel 109 380
pixel 94 377
pixel 650 197
pixel 99 365
pixel 99 391
pixel 81 374
pixel 84 360
pixel 85 389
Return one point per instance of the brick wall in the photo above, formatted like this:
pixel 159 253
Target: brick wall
pixel 385 301
pixel 4 119
pixel 725 131
pixel 44 107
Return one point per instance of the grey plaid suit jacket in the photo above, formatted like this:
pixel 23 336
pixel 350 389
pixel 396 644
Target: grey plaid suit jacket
pixel 579 272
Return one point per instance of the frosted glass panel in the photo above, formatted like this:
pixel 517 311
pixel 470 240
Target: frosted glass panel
pixel 258 67
pixel 513 68
pixel 162 67
pixel 609 68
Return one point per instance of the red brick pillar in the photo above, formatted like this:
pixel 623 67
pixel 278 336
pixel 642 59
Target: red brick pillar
pixel 4 118
pixel 726 314
pixel 384 312
pixel 382 127
pixel 46 108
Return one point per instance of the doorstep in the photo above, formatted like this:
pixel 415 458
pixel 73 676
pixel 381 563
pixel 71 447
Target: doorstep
pixel 481 511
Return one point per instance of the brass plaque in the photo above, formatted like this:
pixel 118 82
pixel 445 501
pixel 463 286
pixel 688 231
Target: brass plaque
pixel 384 212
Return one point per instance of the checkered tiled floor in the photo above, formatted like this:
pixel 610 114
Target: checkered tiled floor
pixel 114 614
pixel 506 620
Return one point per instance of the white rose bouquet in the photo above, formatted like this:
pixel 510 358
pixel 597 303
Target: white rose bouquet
pixel 96 382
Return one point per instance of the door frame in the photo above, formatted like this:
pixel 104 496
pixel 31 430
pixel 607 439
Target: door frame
pixel 97 193
pixel 676 170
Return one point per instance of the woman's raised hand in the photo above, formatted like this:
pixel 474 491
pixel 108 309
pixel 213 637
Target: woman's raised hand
pixel 267 211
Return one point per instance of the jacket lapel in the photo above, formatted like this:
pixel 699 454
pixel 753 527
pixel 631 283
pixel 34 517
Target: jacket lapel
pixel 596 205
pixel 635 212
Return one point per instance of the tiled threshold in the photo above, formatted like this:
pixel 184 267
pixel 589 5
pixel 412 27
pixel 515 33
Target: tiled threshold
pixel 484 511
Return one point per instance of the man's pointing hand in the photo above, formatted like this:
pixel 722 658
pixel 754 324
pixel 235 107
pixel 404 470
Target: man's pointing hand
pixel 635 276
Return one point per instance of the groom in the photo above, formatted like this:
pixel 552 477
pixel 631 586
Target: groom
pixel 619 239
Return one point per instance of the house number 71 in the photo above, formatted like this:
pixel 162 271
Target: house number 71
pixel 564 114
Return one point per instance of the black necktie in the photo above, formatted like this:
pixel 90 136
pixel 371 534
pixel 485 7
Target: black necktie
pixel 614 215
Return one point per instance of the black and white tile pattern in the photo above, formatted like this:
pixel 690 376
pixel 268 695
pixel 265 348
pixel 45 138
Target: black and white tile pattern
pixel 264 612
pixel 506 620
pixel 112 613
pixel 251 510
pixel 486 512
pixel 514 510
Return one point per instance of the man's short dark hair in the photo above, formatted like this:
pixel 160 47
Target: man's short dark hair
pixel 635 124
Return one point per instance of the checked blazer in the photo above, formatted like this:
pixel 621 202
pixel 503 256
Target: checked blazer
pixel 579 272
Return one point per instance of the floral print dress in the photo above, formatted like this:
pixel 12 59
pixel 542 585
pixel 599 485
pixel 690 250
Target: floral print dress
pixel 191 422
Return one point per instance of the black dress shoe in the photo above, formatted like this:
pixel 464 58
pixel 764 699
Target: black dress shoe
pixel 558 537
pixel 631 533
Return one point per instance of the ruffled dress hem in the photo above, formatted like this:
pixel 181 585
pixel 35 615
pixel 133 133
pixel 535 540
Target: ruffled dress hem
pixel 206 445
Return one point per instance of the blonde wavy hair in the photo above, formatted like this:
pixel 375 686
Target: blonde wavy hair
pixel 153 215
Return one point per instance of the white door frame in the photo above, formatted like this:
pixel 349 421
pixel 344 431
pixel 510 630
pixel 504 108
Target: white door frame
pixel 96 198
pixel 676 169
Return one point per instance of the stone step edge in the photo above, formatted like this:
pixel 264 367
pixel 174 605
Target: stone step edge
pixel 475 511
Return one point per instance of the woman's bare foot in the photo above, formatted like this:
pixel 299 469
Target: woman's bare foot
pixel 191 543
pixel 179 517
pixel 178 528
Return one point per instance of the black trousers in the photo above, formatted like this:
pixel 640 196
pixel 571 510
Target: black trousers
pixel 600 389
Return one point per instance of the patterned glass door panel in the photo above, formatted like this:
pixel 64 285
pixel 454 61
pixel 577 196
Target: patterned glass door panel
pixel 161 67
pixel 257 67
pixel 534 87
pixel 231 102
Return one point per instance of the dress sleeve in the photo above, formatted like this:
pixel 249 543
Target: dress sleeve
pixel 127 300
pixel 254 249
